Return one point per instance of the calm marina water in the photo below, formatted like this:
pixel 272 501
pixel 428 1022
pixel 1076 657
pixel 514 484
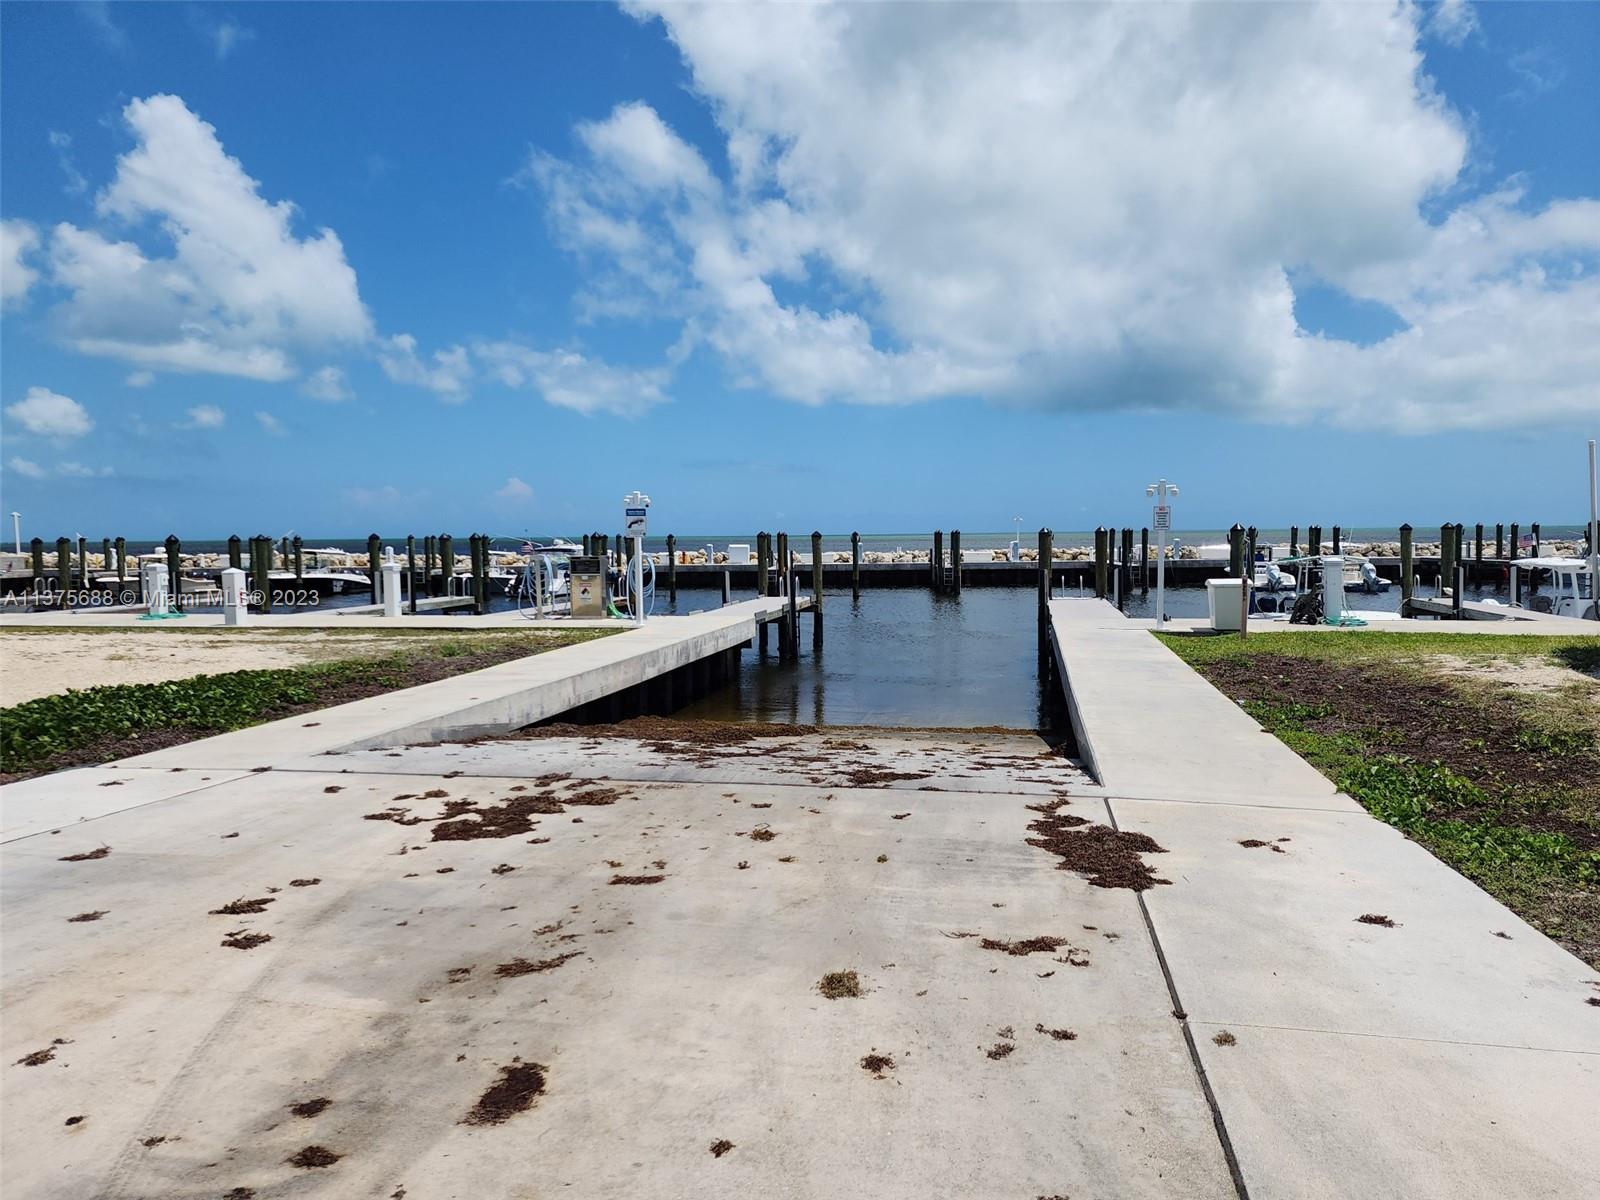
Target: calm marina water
pixel 906 657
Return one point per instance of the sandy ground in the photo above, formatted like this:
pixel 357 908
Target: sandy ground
pixel 1534 674
pixel 47 664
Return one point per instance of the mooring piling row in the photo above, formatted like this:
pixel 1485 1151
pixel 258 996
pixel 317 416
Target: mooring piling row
pixel 1110 564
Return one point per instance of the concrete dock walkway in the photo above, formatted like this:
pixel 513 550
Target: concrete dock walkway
pixel 1454 1054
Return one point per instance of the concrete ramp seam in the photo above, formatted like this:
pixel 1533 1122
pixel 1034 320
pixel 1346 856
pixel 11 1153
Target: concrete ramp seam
pixel 1219 1123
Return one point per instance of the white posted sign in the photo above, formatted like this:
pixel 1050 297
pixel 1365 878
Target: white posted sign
pixel 1163 516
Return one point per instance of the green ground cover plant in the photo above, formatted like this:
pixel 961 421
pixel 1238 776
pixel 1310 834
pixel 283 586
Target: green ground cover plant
pixel 99 724
pixel 1483 748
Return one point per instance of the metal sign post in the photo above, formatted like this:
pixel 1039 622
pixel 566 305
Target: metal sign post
pixel 1161 522
pixel 636 523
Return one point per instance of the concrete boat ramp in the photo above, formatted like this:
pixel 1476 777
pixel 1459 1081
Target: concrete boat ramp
pixel 613 963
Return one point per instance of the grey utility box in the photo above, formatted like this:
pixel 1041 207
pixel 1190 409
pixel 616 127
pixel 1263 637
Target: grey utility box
pixel 587 581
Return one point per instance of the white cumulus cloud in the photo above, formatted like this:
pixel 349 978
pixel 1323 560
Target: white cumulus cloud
pixel 270 424
pixel 228 36
pixel 447 375
pixel 1076 206
pixel 77 470
pixel 239 291
pixel 571 380
pixel 139 379
pixel 327 384
pixel 514 489
pixel 27 468
pixel 50 414
pixel 1453 21
pixel 205 416
pixel 18 239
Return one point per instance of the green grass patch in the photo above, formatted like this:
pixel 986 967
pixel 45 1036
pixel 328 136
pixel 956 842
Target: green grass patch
pixel 1404 794
pixel 1579 653
pixel 95 723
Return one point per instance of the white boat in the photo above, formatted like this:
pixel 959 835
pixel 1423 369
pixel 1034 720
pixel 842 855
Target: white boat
pixel 1566 586
pixel 1361 576
pixel 1272 588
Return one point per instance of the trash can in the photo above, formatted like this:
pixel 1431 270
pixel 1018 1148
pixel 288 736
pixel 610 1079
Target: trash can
pixel 1222 603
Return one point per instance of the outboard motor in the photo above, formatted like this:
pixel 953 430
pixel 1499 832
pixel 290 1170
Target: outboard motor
pixel 1371 584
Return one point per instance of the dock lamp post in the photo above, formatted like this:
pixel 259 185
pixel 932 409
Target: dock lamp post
pixel 636 523
pixel 1161 522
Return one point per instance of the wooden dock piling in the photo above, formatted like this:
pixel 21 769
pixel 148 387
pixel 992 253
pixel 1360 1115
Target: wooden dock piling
pixel 447 565
pixel 1512 545
pixel 672 568
pixel 411 569
pixel 175 570
pixel 1046 552
pixel 955 562
pixel 936 562
pixel 1124 569
pixel 298 547
pixel 1101 538
pixel 1477 543
pixel 1294 541
pixel 260 571
pixel 1338 541
pixel 236 552
pixel 1538 542
pixel 1447 552
pixel 374 552
pixel 855 566
pixel 1236 550
pixel 816 588
pixel 83 564
pixel 816 571
pixel 480 577
pixel 1407 581
pixel 785 630
pixel 763 581
pixel 122 560
pixel 1144 561
pixel 1499 541
pixel 63 569
pixel 36 553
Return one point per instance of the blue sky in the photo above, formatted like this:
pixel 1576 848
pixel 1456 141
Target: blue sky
pixel 883 267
